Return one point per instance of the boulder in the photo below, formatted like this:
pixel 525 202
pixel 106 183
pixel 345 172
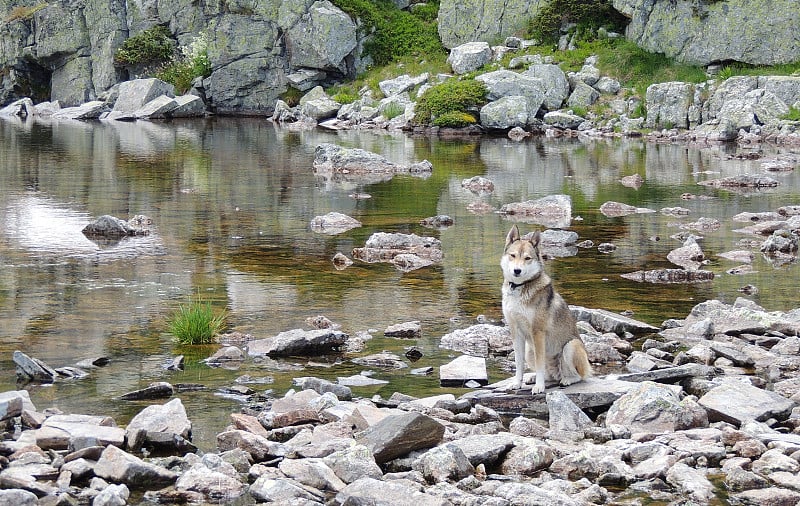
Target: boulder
pixel 397 435
pixel 483 20
pixel 582 95
pixel 469 56
pixel 507 112
pixel 89 110
pixel 111 227
pixel 117 466
pixel 213 484
pixel 298 342
pixel 463 369
pixel 402 83
pixel 134 94
pixel 563 120
pixel 32 369
pixel 552 211
pixel 322 39
pixel 736 402
pixel 668 105
pixel 555 82
pixel 652 407
pixel 384 247
pixel 167 418
pixel 333 223
pixel 188 106
pixel 706 33
pixel 505 83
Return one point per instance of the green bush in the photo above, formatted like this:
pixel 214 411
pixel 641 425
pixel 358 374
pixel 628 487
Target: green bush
pixel 152 46
pixel 393 110
pixel 192 62
pixel 453 95
pixel 196 323
pixel 394 33
pixel 792 115
pixel 455 119
pixel 588 15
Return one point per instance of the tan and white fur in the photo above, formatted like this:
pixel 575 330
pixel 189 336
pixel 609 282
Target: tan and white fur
pixel 542 327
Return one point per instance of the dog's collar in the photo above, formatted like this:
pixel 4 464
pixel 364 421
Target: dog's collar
pixel 514 286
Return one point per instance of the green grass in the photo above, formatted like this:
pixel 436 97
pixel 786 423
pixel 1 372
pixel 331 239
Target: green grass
pixel 793 114
pixel 24 13
pixel 196 323
pixel 152 46
pixel 453 95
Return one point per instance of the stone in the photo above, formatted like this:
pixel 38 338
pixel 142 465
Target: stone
pixel 527 458
pixel 367 490
pixel 158 390
pixel 652 407
pixel 401 83
pixel 565 416
pixel 463 369
pixel 298 342
pixel 322 38
pixel 403 330
pixel 74 432
pixel 668 105
pixel 460 22
pixel 397 435
pixel 617 209
pixel 134 94
pixel 443 463
pixel 563 120
pixel 312 473
pixel 469 56
pixel 507 112
pixel 260 448
pixel 555 83
pixel 120 467
pixel 553 211
pixel 736 402
pixel 478 340
pixel 112 495
pixel 168 418
pixel 32 369
pixel 282 490
pixel 333 223
pixel 384 247
pixel 11 405
pixel 691 482
pixel 505 83
pixel 352 463
pixel 668 276
pixel 213 484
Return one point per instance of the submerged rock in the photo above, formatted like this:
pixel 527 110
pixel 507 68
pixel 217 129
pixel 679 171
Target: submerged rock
pixel 670 276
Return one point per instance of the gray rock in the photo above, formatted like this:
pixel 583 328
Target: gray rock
pixel 211 483
pixel 168 418
pixel 690 481
pixel 463 369
pixel 563 120
pixel 18 497
pixel 368 490
pixel 297 342
pixel 606 321
pixel 397 435
pixel 668 105
pixel 259 447
pixel 737 401
pixel 322 386
pixel 772 495
pixel 322 38
pixel 188 106
pixel 555 82
pixel 652 407
pixel 582 95
pixel 120 467
pixel 112 495
pixel 478 340
pixel 32 369
pixel 401 83
pixel 158 390
pixel 21 108
pixel 508 112
pixel 312 473
pixel 134 94
pixel 616 209
pixel 565 416
pixel 443 463
pixel 469 56
pixel 607 85
pixel 668 276
pixel 333 223
pixel 317 105
pixel 383 247
pixel 89 110
pixel 505 83
pixel 385 359
pixel 700 41
pixel 283 490
pixel 75 432
pixel 689 256
pixel 483 20
pixel 111 227
pixel 403 330
pixel 552 211
pixel 353 463
pixel 158 108
pixel 331 158
pixel 486 449
pixel 11 404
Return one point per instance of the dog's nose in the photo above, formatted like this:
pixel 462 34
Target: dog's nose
pixel 517 272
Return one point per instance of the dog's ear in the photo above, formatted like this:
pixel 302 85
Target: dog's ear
pixel 535 238
pixel 513 235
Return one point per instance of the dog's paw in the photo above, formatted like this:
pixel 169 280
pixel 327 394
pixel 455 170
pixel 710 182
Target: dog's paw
pixel 565 382
pixel 537 389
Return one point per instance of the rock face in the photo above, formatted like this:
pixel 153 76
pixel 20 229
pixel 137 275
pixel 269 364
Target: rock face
pixel 483 20
pixel 65 51
pixel 700 33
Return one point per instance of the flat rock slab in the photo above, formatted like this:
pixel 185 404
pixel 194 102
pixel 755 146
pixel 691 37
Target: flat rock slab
pixel 298 342
pixel 590 393
pixel 463 369
pixel 671 374
pixel 737 402
pixel 398 435
pixel 606 321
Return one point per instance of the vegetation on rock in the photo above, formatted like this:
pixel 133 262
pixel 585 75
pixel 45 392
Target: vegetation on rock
pixel 451 96
pixel 586 16
pixel 395 33
pixel 191 62
pixel 24 12
pixel 196 323
pixel 152 46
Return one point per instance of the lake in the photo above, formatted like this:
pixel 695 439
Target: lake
pixel 231 200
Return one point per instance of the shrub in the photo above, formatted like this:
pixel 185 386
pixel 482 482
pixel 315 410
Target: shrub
pixel 793 114
pixel 22 12
pixel 195 323
pixel 152 46
pixel 453 95
pixel 587 15
pixel 192 62
pixel 345 96
pixel 394 33
pixel 393 110
pixel 455 119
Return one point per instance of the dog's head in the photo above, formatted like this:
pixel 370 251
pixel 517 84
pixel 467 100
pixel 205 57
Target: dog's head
pixel 521 259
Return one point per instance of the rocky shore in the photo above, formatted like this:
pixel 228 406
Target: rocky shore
pixel 702 410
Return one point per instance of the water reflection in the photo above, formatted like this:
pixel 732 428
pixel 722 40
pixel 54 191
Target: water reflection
pixel 232 200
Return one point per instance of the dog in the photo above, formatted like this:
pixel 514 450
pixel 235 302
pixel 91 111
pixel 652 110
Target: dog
pixel 542 327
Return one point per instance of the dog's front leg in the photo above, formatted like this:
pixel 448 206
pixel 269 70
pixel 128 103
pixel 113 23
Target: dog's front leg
pixel 539 346
pixel 519 359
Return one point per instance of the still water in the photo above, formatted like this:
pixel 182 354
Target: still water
pixel 232 200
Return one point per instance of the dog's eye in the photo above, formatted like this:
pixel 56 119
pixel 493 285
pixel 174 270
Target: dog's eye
pixel 527 258
pixel 512 255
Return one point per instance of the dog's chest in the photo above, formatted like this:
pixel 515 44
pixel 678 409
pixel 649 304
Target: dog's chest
pixel 515 308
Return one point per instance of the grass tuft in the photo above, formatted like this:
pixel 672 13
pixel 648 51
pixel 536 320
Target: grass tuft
pixel 196 323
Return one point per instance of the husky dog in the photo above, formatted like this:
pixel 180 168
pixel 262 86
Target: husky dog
pixel 542 327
